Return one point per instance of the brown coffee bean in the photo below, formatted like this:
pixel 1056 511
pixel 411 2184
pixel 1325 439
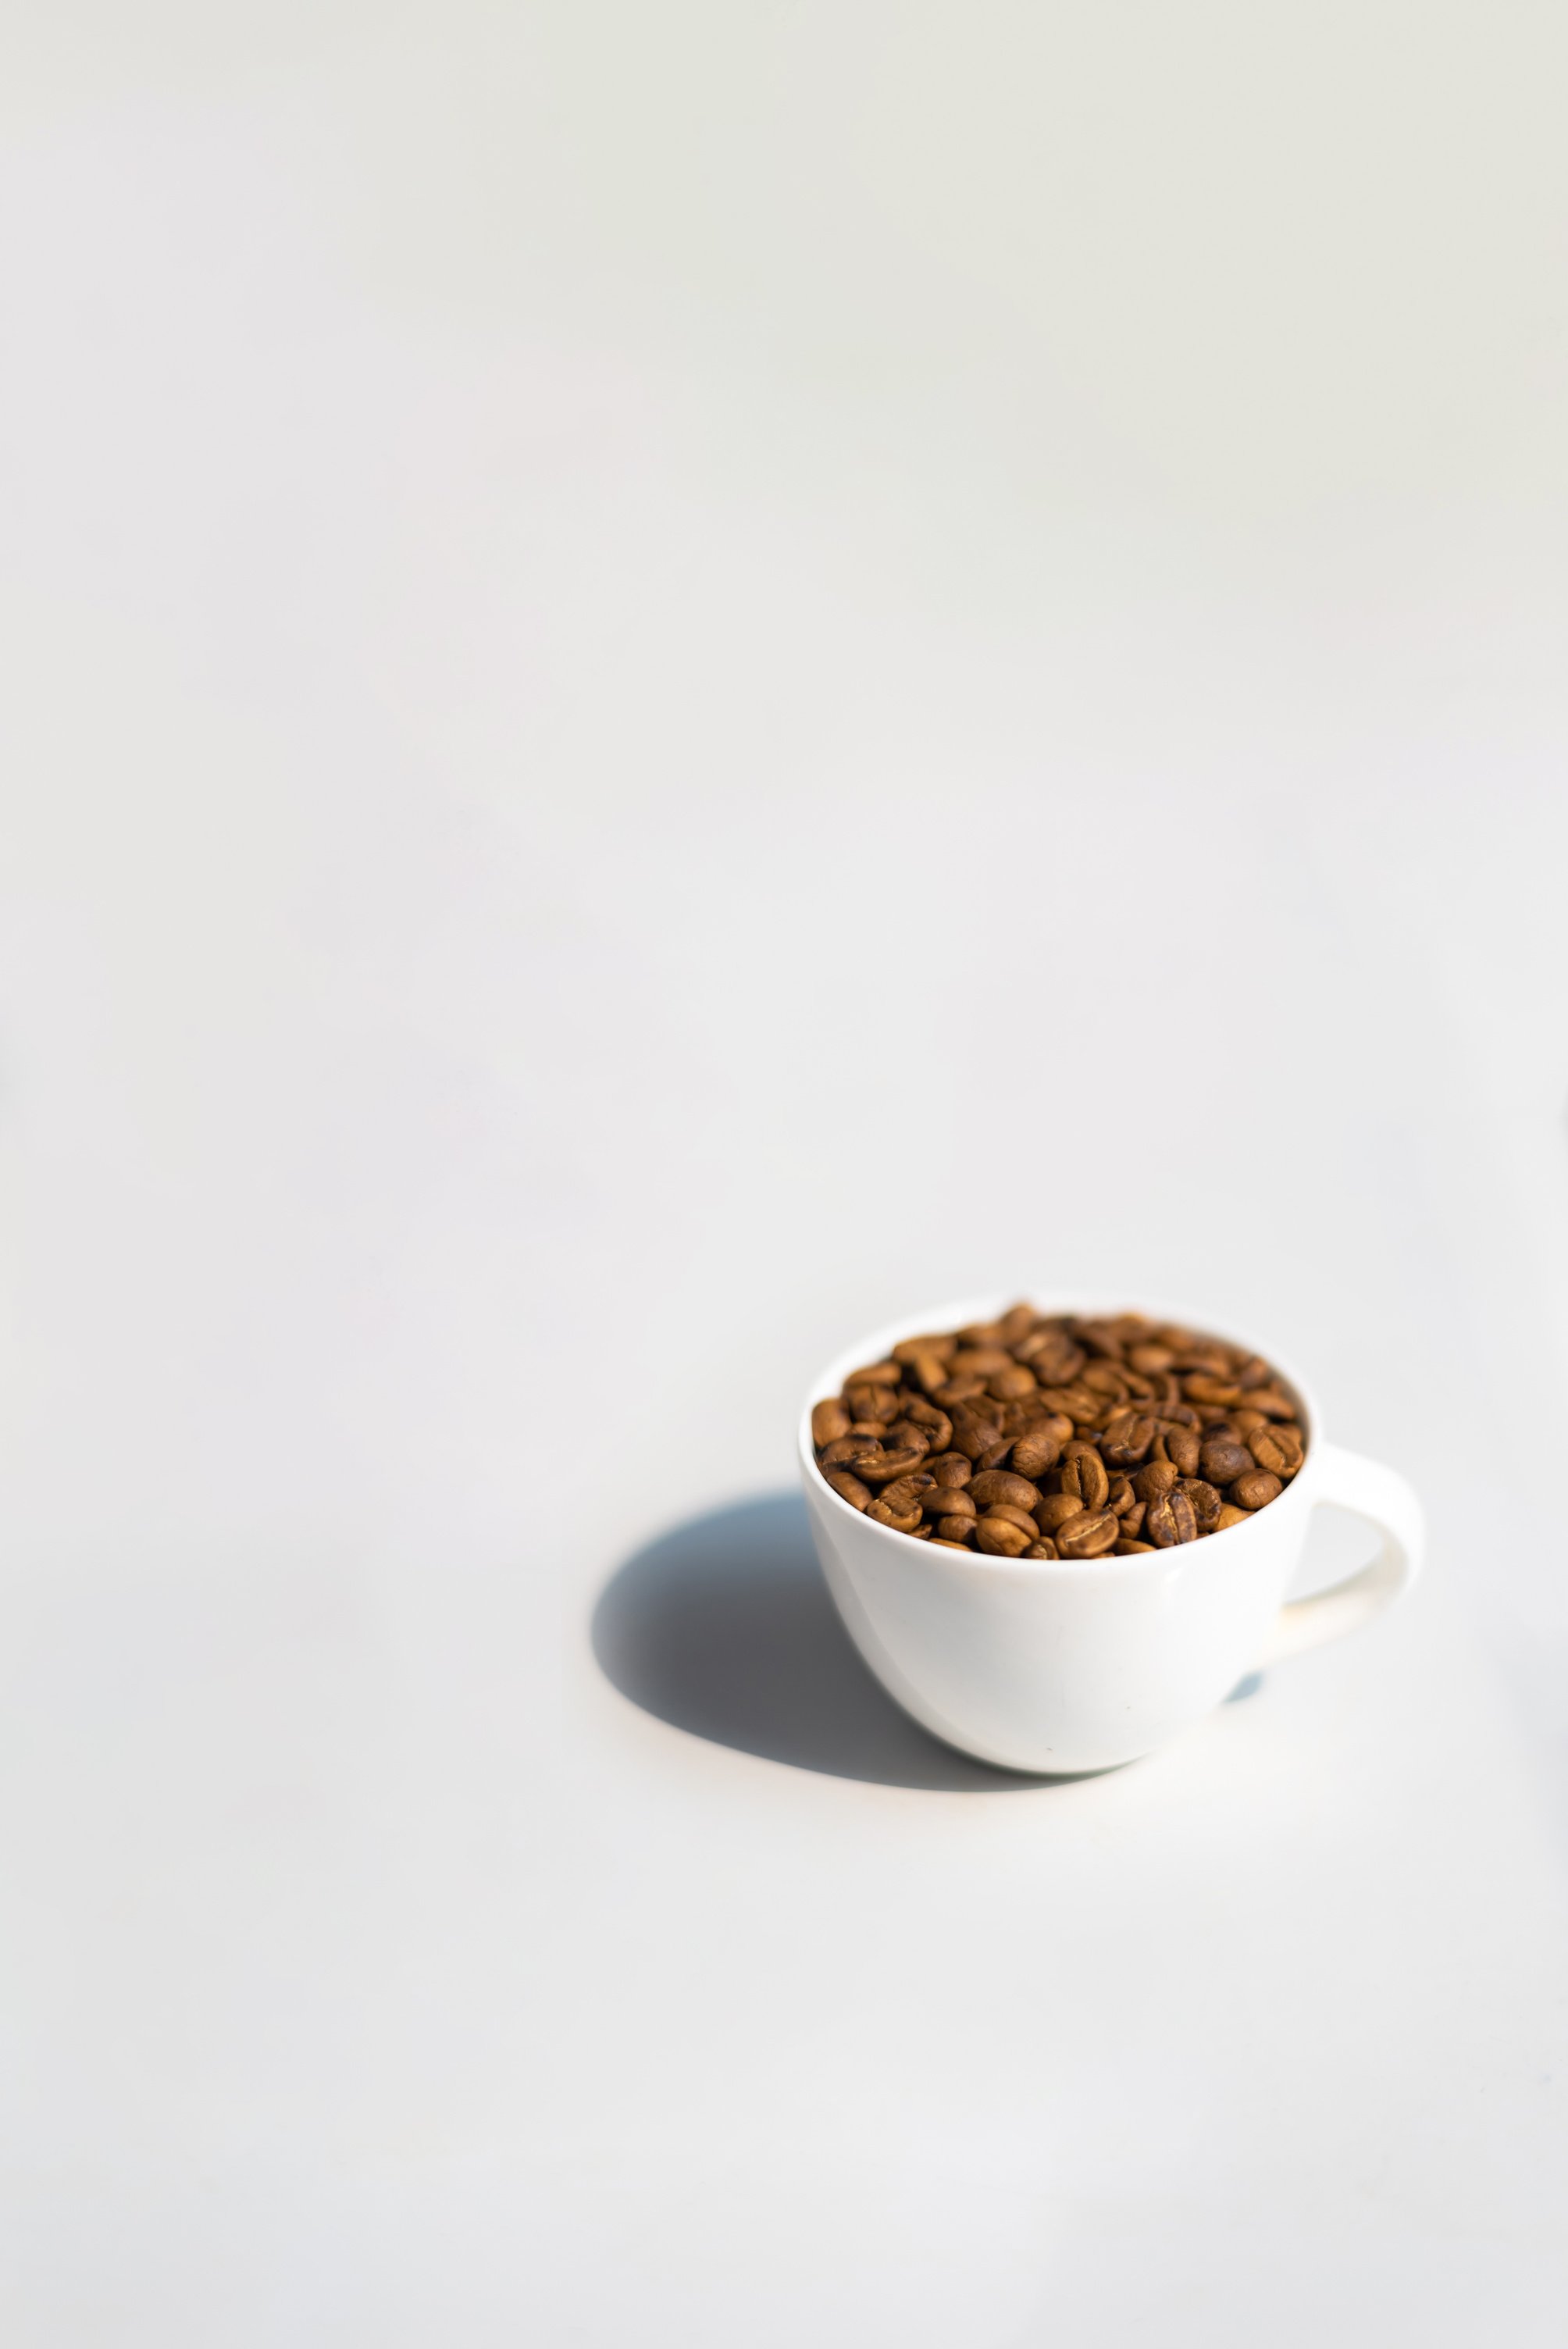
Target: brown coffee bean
pixel 906 1493
pixel 1000 1538
pixel 829 1420
pixel 1182 1448
pixel 1206 1502
pixel 1277 1449
pixel 1104 1378
pixel 998 1484
pixel 955 1530
pixel 1090 1533
pixel 1037 1449
pixel 949 1468
pixel 1169 1520
pixel 1011 1384
pixel 1083 1474
pixel 1199 1388
pixel 1157 1477
pixel 876 1374
pixel 1271 1402
pixel 1127 1439
pixel 849 1488
pixel 982 1361
pixel 1125 1547
pixel 1121 1496
pixel 1231 1516
pixel 1080 1405
pixel 947 1500
pixel 1152 1361
pixel 937 1542
pixel 879 1404
pixel 1054 1508
pixel 954 1392
pixel 1256 1489
pixel 1016 1323
pixel 880 1468
pixel 912 1352
pixel 1018 1516
pixel 1221 1459
pixel 903 1521
pixel 1043 1548
pixel 843 1447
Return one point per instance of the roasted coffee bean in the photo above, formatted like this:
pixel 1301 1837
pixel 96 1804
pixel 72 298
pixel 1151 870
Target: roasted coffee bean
pixel 1277 1449
pixel 1157 1477
pixel 903 1521
pixel 1010 1510
pixel 998 1484
pixel 1221 1459
pixel 1083 1474
pixel 1037 1449
pixel 1149 1436
pixel 1169 1520
pixel 829 1420
pixel 1054 1508
pixel 880 1405
pixel 1088 1535
pixel 1128 1549
pixel 881 1467
pixel 1206 1502
pixel 1127 1439
pixel 850 1488
pixel 912 1352
pixel 1182 1448
pixel 1000 1538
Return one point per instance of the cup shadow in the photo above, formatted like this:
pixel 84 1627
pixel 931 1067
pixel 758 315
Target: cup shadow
pixel 724 1628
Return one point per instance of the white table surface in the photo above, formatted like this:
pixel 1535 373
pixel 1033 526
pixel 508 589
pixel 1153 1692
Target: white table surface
pixel 603 609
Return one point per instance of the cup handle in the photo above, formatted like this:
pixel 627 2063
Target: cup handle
pixel 1381 1496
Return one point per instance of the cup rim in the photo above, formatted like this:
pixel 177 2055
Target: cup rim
pixel 986 1308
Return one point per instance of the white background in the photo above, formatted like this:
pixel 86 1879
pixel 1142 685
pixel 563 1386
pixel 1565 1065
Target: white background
pixel 676 678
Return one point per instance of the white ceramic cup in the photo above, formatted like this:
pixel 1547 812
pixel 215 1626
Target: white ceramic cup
pixel 1068 1664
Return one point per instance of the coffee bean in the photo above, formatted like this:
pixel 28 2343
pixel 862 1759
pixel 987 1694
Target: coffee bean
pixel 1221 1459
pixel 903 1521
pixel 1000 1538
pixel 1036 1449
pixel 829 1420
pixel 1083 1474
pixel 1090 1533
pixel 1153 1436
pixel 1054 1508
pixel 1277 1449
pixel 1016 1515
pixel 850 1488
pixel 1182 1448
pixel 1170 1520
pixel 1127 1439
pixel 1158 1477
pixel 1206 1502
pixel 998 1484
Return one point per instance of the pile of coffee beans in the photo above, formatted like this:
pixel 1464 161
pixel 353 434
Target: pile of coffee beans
pixel 1051 1435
